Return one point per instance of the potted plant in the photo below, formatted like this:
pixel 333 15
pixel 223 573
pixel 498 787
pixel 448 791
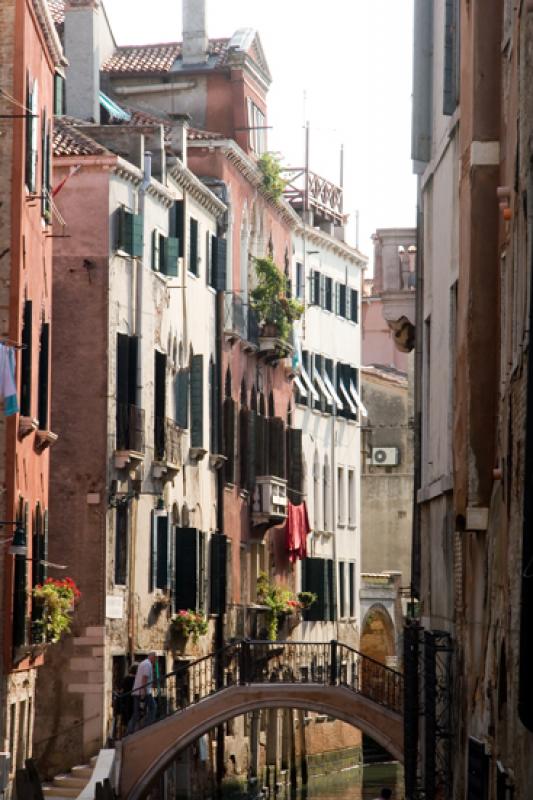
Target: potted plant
pixel 189 623
pixel 306 599
pixel 270 168
pixel 275 311
pixel 280 603
pixel 54 603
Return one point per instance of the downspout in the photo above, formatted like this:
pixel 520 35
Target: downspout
pixel 417 471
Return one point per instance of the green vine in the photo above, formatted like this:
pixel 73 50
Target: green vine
pixel 280 602
pixel 54 603
pixel 270 168
pixel 269 298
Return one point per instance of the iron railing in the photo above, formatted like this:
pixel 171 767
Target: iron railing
pixel 255 662
pixel 130 428
pixel 239 317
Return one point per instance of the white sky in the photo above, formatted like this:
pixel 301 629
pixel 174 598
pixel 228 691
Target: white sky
pixel 352 58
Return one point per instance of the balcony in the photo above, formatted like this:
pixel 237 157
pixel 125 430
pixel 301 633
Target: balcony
pixel 308 192
pixel 130 435
pixel 270 500
pixel 240 321
pixel 167 449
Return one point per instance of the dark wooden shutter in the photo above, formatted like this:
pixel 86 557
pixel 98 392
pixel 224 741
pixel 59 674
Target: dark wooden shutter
pixel 197 401
pixel 162 566
pixel 218 545
pixel 121 544
pixel 229 412
pixel 331 583
pixel 351 579
pixel 322 289
pixel 155 250
pixel 160 384
pixel 320 403
pixel 329 294
pixel 44 376
pixel 313 580
pixel 295 465
pixel 44 567
pixel 214 436
pixel 26 359
pixel 133 360
pixel 20 627
pixel 218 263
pixel 451 41
pixel 153 554
pixel 328 369
pixel 193 246
pixel 137 238
pixel 315 287
pixel 171 257
pixel 186 569
pixel 276 447
pixel 123 367
pixel 261 445
pixel 342 300
pixel 243 447
pixel 342 589
pixel 251 461
pixel 177 224
pixel 59 94
pixel 181 385
pixel 354 308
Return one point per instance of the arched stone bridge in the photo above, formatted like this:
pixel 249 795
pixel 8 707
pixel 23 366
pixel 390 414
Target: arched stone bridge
pixel 331 679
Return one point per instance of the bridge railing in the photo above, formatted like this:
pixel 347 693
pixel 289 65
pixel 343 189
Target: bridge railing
pixel 259 661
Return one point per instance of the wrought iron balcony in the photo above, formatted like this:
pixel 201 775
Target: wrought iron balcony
pixel 130 428
pixel 240 320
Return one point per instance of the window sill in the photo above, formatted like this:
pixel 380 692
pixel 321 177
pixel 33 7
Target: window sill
pixel 123 254
pixel 196 454
pixel 123 458
pixel 27 425
pixel 217 460
pixel 44 439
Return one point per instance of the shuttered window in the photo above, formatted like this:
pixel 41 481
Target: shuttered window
pixel 342 300
pixel 318 576
pixel 328 369
pixel 176 224
pixel 26 360
pixel 294 465
pixel 214 428
pixel 328 299
pixel 121 544
pixel 189 569
pixel 59 95
pixel 320 402
pixel 44 371
pixel 451 57
pixel 160 377
pixel 243 447
pixel 315 287
pixel 197 401
pixel 160 562
pixel 354 305
pixel 193 246
pixel 229 414
pixel 32 121
pixel 38 549
pixel 129 228
pixel 181 398
pixel 342 589
pixel 46 169
pixel 299 281
pixel 218 557
pixel 218 263
pixel 351 585
pixel 276 447
pixel 165 254
pixel 261 445
pixel 20 594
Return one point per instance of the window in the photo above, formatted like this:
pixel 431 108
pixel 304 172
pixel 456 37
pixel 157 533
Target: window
pixel 181 398
pixel 160 379
pixel 341 299
pixel 26 359
pixel 176 224
pixel 295 473
pixel 315 287
pixel 20 616
pixel 451 57
pixel 39 549
pixel 318 576
pixel 342 589
pixel 160 556
pixel 32 121
pixel 351 587
pixel 228 415
pixel 59 95
pixel 328 301
pixel 354 305
pixel 218 552
pixel 46 169
pixel 129 232
pixel 247 447
pixel 44 369
pixel 326 504
pixel 121 544
pixel 193 246
pixel 351 498
pixel 257 126
pixel 300 287
pixel 218 263
pixel 258 564
pixel 130 426
pixel 189 569
pixel 317 494
pixel 208 259
pixel 214 431
pixel 197 401
pixel 165 254
pixel 341 496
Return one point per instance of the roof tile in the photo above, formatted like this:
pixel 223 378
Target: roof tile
pixel 69 140
pixel 154 59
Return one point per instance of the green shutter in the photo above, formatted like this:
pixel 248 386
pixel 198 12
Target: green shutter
pixel 172 246
pixel 124 230
pixel 162 560
pixel 155 262
pixel 295 465
pixel 218 546
pixel 193 246
pixel 214 408
pixel 177 224
pixel 354 306
pixel 186 569
pixel 331 583
pixel 153 554
pixel 182 398
pixel 59 82
pixel 342 591
pixel 197 401
pixel 219 249
pixel 313 580
pixel 137 223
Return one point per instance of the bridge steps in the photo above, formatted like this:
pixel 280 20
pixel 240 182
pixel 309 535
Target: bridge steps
pixel 70 784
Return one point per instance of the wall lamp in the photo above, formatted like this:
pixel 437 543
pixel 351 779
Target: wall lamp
pixel 18 546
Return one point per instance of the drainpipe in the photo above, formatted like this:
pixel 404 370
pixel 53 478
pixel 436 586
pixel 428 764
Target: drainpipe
pixel 419 325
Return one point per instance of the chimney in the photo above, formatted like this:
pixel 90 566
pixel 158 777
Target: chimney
pixel 195 41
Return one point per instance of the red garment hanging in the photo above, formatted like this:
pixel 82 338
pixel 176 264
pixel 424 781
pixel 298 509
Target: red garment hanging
pixel 296 530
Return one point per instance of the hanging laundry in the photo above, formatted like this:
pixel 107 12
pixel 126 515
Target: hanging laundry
pixel 296 531
pixel 8 388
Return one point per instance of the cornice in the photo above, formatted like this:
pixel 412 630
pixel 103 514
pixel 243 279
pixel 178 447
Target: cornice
pixel 194 186
pixel 48 28
pixel 337 246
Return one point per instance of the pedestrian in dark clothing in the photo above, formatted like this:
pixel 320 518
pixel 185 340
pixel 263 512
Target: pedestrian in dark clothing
pixel 126 698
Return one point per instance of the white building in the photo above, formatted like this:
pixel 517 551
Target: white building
pixel 327 277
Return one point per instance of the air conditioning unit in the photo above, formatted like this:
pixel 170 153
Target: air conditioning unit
pixel 270 499
pixel 385 456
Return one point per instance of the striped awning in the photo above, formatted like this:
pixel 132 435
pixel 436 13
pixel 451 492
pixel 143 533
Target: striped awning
pixel 114 111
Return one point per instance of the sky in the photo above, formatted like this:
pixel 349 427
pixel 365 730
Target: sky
pixel 344 65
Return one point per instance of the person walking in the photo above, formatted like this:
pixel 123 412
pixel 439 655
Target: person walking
pixel 143 694
pixel 125 698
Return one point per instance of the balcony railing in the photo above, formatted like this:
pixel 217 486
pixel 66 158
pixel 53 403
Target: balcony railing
pixel 305 190
pixel 239 318
pixel 167 444
pixel 130 428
